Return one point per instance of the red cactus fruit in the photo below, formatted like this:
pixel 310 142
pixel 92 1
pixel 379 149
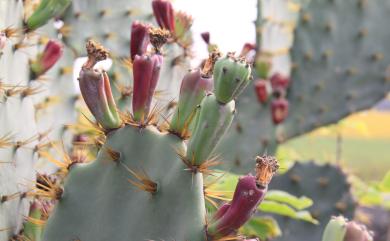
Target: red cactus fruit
pixel 279 82
pixel 250 191
pixel 139 39
pixel 164 14
pixel 261 90
pixel 45 60
pixel 279 110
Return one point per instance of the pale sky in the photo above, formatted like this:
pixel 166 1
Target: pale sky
pixel 230 22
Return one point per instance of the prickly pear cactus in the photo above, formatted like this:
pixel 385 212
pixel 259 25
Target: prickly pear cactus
pixel 21 66
pixel 340 60
pixel 165 180
pixel 327 185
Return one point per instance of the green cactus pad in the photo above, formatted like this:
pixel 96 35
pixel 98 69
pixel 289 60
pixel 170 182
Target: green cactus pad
pixel 329 189
pixel 99 203
pixel 340 59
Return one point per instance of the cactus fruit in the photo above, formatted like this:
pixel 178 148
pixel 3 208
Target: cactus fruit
pixel 139 39
pixel 327 185
pixel 279 110
pixel 339 229
pixel 230 78
pixel 250 191
pixel 163 11
pixel 46 10
pixel 145 182
pixel 46 59
pixel 195 85
pixel 261 89
pixel 96 90
pixel 339 47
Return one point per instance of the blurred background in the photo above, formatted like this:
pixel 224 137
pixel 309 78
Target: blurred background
pixel 361 142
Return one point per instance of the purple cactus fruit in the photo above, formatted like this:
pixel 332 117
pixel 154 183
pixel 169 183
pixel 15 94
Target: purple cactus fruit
pixel 164 14
pixel 96 90
pixel 357 232
pixel 45 60
pixel 250 191
pixel 146 71
pixel 139 39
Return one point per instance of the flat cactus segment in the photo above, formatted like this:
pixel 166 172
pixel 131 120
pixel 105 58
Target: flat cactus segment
pixel 17 123
pixel 329 189
pixel 340 58
pixel 101 192
pixel 103 21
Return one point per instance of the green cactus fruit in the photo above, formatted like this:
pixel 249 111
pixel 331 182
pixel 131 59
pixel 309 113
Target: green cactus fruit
pixel 231 76
pixel 46 10
pixel 195 85
pixel 335 230
pixel 213 120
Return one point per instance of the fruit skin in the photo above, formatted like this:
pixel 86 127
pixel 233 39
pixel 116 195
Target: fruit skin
pixel 335 230
pixel 146 71
pixel 47 59
pixel 164 14
pixel 340 229
pixel 246 198
pixel 46 10
pixel 212 121
pixel 139 39
pixel 261 89
pixel 279 110
pixel 231 76
pixel 96 90
pixel 194 88
pixel 279 82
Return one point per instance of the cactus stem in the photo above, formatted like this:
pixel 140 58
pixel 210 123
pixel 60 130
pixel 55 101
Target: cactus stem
pixel 143 182
pixel 28 91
